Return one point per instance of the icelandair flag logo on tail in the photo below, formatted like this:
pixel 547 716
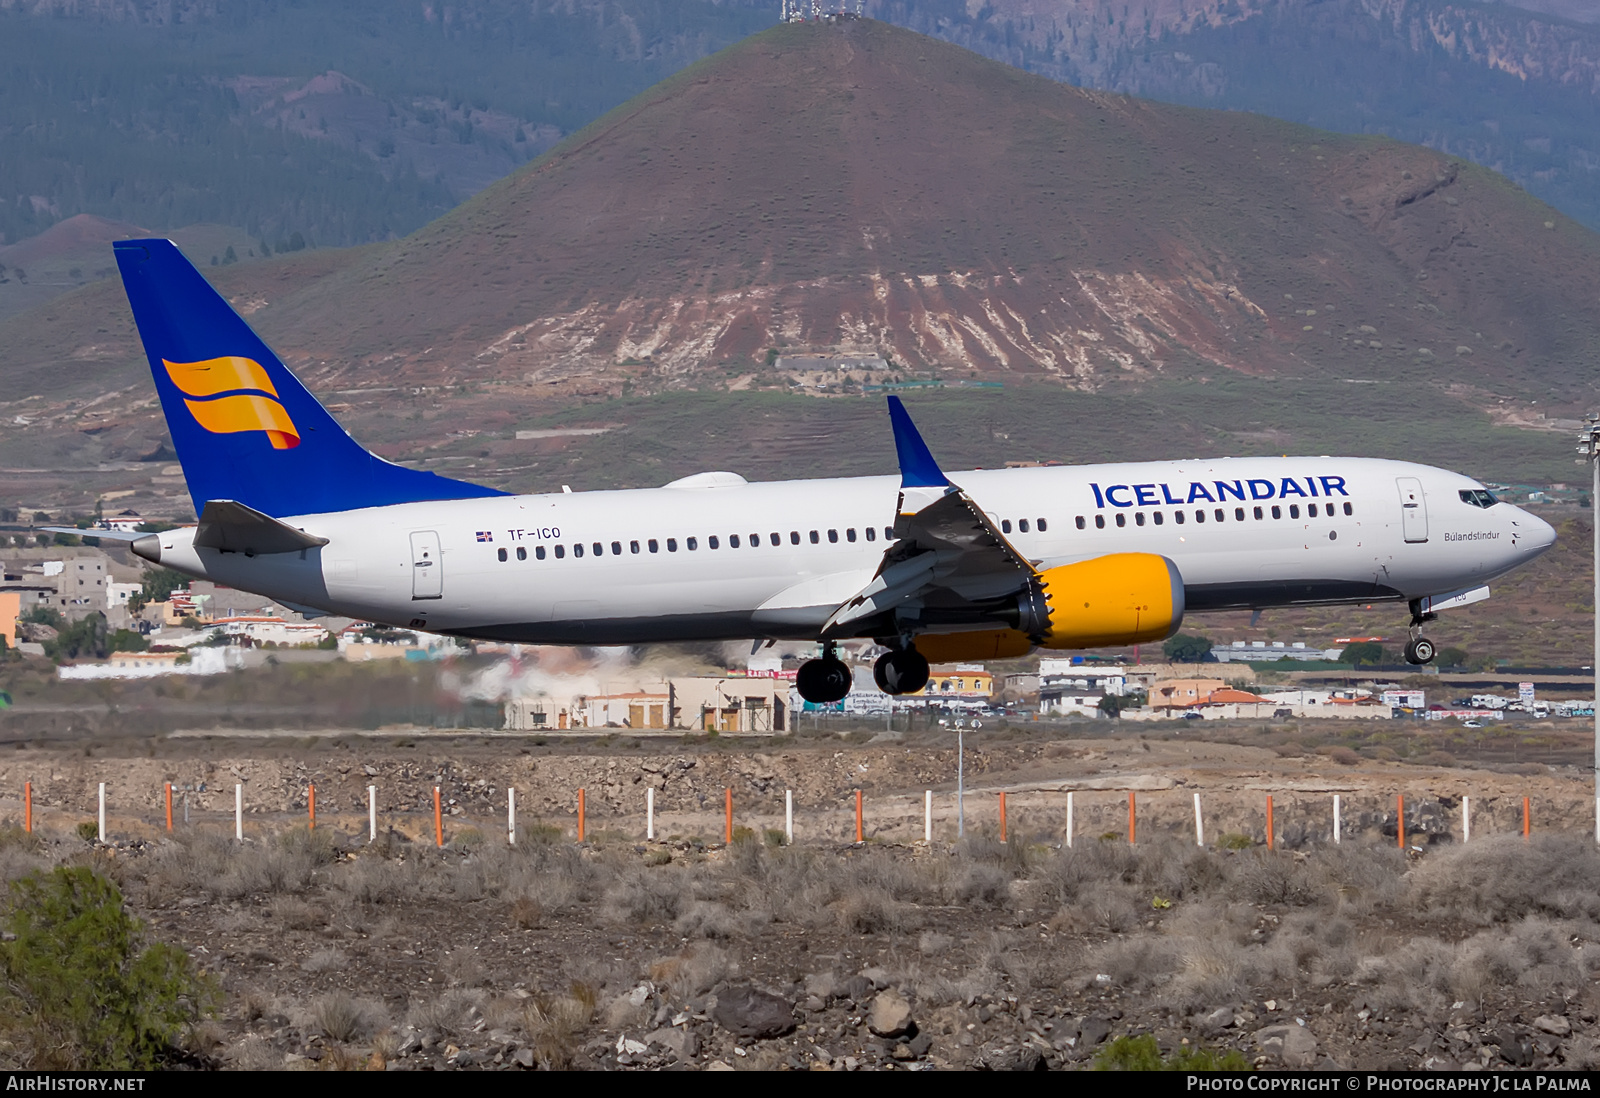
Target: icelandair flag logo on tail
pixel 233 395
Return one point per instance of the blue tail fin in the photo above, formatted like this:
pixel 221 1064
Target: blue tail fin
pixel 244 427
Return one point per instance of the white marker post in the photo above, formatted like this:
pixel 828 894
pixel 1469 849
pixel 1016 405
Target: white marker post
pixel 1336 818
pixel 927 816
pixel 511 816
pixel 788 816
pixel 1069 820
pixel 1199 827
pixel 372 813
pixel 238 813
pixel 102 811
pixel 1466 820
pixel 650 813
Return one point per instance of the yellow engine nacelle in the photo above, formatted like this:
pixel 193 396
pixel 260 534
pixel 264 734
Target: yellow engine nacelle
pixel 983 644
pixel 1121 598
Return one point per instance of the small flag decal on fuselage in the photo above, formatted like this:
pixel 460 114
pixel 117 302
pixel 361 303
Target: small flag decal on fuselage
pixel 485 535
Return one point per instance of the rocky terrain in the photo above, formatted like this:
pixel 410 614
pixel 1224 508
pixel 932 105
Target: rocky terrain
pixel 618 952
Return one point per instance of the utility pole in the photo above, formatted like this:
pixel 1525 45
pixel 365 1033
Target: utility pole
pixel 1589 447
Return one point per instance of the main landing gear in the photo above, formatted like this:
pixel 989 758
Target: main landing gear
pixel 901 671
pixel 826 680
pixel 1419 650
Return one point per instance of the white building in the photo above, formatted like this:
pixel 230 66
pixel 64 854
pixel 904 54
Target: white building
pixel 1262 651
pixel 262 629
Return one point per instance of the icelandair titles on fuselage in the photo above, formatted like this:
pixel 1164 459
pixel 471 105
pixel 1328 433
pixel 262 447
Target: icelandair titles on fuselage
pixel 1220 491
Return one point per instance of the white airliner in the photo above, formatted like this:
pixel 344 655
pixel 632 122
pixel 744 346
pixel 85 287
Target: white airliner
pixel 984 563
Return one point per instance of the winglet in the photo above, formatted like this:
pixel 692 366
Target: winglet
pixel 917 467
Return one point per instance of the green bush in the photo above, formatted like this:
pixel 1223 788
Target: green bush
pixel 89 831
pixel 1233 840
pixel 1143 1054
pixel 83 989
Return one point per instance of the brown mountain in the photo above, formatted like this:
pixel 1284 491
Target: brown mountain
pixel 855 186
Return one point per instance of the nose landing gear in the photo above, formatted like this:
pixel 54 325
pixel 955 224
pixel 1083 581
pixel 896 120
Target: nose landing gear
pixel 901 671
pixel 826 680
pixel 1419 650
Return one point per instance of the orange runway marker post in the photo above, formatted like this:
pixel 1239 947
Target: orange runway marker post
pixel 859 836
pixel 27 807
pixel 727 816
pixel 1400 820
pixel 1269 821
pixel 580 816
pixel 311 805
pixel 169 806
pixel 1130 818
pixel 1527 818
pixel 438 819
pixel 1002 817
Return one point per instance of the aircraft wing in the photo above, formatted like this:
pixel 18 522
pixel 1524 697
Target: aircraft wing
pixel 949 565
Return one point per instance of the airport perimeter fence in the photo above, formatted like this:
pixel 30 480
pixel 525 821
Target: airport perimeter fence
pixel 1289 820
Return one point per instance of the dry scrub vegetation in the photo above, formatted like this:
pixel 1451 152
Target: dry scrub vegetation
pixel 335 954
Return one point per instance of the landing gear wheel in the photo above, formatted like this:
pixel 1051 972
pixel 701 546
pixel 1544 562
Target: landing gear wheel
pixel 823 681
pixel 1420 651
pixel 902 671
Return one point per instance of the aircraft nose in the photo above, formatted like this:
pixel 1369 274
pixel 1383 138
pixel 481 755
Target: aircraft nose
pixel 1533 534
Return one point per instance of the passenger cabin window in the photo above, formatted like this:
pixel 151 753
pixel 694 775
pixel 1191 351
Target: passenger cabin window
pixel 633 547
pixel 1349 510
pixel 1079 522
pixel 1099 522
pixel 1294 510
pixel 1277 512
pixel 1138 518
pixel 1005 526
pixel 538 552
pixel 1042 526
pixel 1022 525
pixel 616 549
pixel 1238 513
pixel 1177 517
pixel 1200 516
pixel 561 551
pixel 833 536
pixel 815 538
pixel 1156 517
pixel 577 550
pixel 672 545
pixel 1259 513
pixel 655 546
pixel 872 533
pixel 522 554
pixel 850 533
pixel 712 542
pixel 733 541
pixel 794 537
pixel 502 554
pixel 692 543
pixel 599 549
pixel 776 540
pixel 1122 520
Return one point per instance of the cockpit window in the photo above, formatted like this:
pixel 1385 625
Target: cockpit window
pixel 1478 497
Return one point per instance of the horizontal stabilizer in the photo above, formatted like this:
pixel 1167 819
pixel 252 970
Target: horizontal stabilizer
pixel 232 527
pixel 103 535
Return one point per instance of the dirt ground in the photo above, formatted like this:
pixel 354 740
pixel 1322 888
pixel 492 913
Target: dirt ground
pixel 966 952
